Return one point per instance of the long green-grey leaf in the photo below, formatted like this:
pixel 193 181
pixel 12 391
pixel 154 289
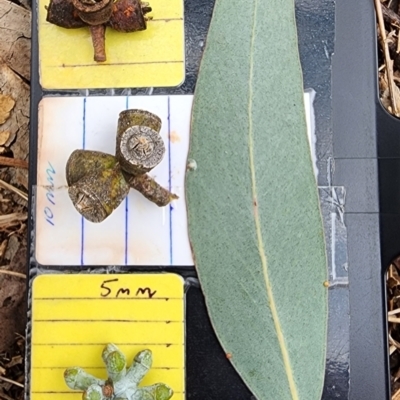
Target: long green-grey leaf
pixel 253 211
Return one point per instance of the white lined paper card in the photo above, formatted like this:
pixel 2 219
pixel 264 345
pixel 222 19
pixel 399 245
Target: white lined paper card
pixel 137 232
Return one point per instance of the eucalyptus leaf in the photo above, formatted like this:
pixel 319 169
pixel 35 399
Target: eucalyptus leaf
pixel 254 219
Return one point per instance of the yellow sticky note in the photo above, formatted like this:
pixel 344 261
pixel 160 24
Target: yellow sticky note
pixel 150 58
pixel 75 316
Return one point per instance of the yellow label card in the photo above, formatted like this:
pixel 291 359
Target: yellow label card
pixel 75 316
pixel 150 58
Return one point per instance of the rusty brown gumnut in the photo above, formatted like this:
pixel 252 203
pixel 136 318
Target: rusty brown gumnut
pixel 139 145
pixel 101 187
pixel 62 13
pixel 129 15
pixel 150 189
pixel 94 12
pixel 121 15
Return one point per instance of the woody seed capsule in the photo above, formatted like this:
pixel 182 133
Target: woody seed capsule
pixel 96 184
pixel 83 162
pixel 121 15
pixel 62 13
pixel 139 146
pixel 93 12
pixel 129 16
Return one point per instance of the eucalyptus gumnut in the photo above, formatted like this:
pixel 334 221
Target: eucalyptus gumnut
pixel 132 20
pixel 140 147
pixel 62 13
pixel 121 384
pixel 121 15
pixel 83 162
pixel 94 12
pixel 99 182
pixel 96 184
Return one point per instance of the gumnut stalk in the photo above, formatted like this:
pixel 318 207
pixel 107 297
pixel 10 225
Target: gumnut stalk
pixel 122 383
pixel 120 15
pixel 150 189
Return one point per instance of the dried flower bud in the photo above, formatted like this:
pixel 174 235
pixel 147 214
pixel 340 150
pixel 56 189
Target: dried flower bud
pixel 94 12
pixel 139 146
pixel 129 15
pixel 62 13
pixel 150 189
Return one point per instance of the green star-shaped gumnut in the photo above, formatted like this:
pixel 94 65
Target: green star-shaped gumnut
pixel 122 384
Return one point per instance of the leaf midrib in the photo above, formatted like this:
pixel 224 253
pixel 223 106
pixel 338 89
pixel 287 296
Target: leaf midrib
pixel 261 249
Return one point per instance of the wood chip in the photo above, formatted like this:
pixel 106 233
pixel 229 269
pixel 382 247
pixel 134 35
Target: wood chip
pixel 15 44
pixel 11 381
pixel 3 248
pixel 23 276
pixel 12 219
pixel 396 396
pixel 12 162
pixel 16 360
pixel 7 103
pixel 4 136
pixel 18 123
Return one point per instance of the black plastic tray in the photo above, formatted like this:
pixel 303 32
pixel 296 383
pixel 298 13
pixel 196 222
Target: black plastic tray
pixel 366 146
pixel 352 130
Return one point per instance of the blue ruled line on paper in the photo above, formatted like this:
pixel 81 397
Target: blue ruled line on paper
pixel 169 181
pixel 83 147
pixel 126 208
